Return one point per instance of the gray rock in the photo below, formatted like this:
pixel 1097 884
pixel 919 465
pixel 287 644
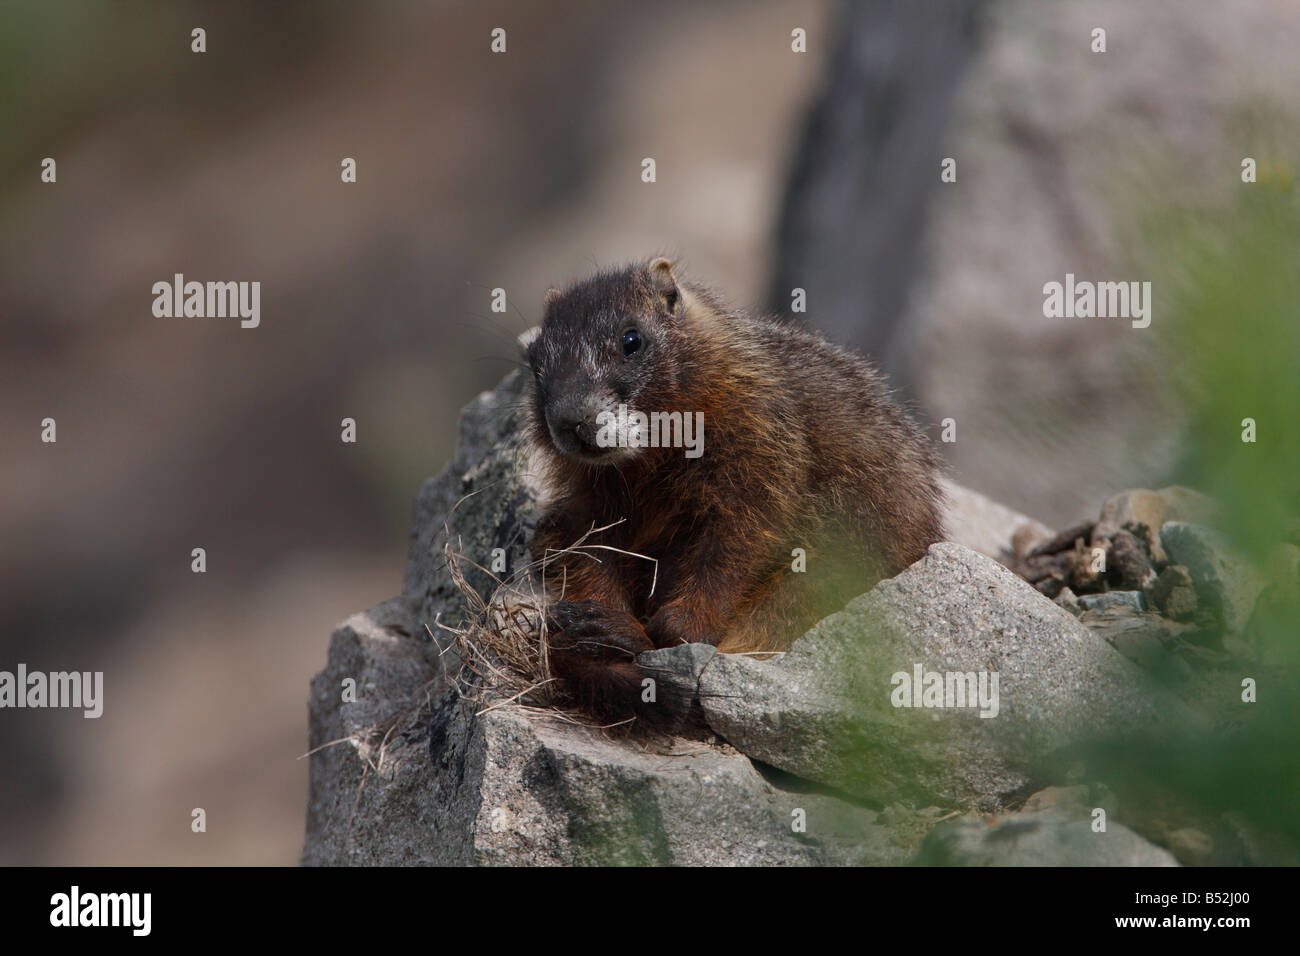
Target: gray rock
pixel 1225 582
pixel 1172 593
pixel 484 499
pixel 1144 649
pixel 676 670
pixel 984 525
pixel 368 801
pixel 514 790
pixel 1145 512
pixel 502 788
pixel 1070 798
pixel 1069 600
pixel 1149 640
pixel 679 665
pixel 1056 837
pixel 824 710
pixel 1109 599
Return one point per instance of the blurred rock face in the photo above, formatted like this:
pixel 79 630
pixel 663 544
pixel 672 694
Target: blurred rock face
pixel 1062 155
pixel 929 207
pixel 474 172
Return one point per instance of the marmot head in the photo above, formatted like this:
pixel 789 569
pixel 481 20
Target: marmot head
pixel 613 340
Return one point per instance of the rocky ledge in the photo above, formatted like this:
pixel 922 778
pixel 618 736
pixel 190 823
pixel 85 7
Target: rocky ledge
pixel 951 715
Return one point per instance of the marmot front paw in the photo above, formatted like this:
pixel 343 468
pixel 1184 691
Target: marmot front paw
pixel 594 630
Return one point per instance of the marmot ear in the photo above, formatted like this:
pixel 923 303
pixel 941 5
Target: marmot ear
pixel 664 284
pixel 526 339
pixel 548 299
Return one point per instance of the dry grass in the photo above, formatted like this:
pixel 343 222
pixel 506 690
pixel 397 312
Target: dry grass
pixel 502 642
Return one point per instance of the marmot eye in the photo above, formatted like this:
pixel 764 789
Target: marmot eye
pixel 631 341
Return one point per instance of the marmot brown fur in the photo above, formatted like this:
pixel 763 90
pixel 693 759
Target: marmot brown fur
pixel 802 449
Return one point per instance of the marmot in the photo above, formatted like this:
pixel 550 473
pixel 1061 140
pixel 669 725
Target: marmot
pixel 802 448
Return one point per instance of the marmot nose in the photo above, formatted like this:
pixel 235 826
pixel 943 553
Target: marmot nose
pixel 572 426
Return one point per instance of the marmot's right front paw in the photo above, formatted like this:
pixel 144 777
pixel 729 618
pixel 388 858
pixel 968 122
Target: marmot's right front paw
pixel 592 649
pixel 593 630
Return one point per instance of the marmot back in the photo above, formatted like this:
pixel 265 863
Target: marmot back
pixel 766 472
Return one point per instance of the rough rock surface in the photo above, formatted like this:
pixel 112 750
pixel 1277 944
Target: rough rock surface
pixel 483 499
pixel 402 778
pixel 369 801
pixel 506 788
pixel 825 709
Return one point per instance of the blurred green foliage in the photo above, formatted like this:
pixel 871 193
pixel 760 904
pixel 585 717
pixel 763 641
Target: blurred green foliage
pixel 1227 280
pixel 1232 288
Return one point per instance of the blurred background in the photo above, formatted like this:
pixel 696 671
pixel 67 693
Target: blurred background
pixel 775 169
